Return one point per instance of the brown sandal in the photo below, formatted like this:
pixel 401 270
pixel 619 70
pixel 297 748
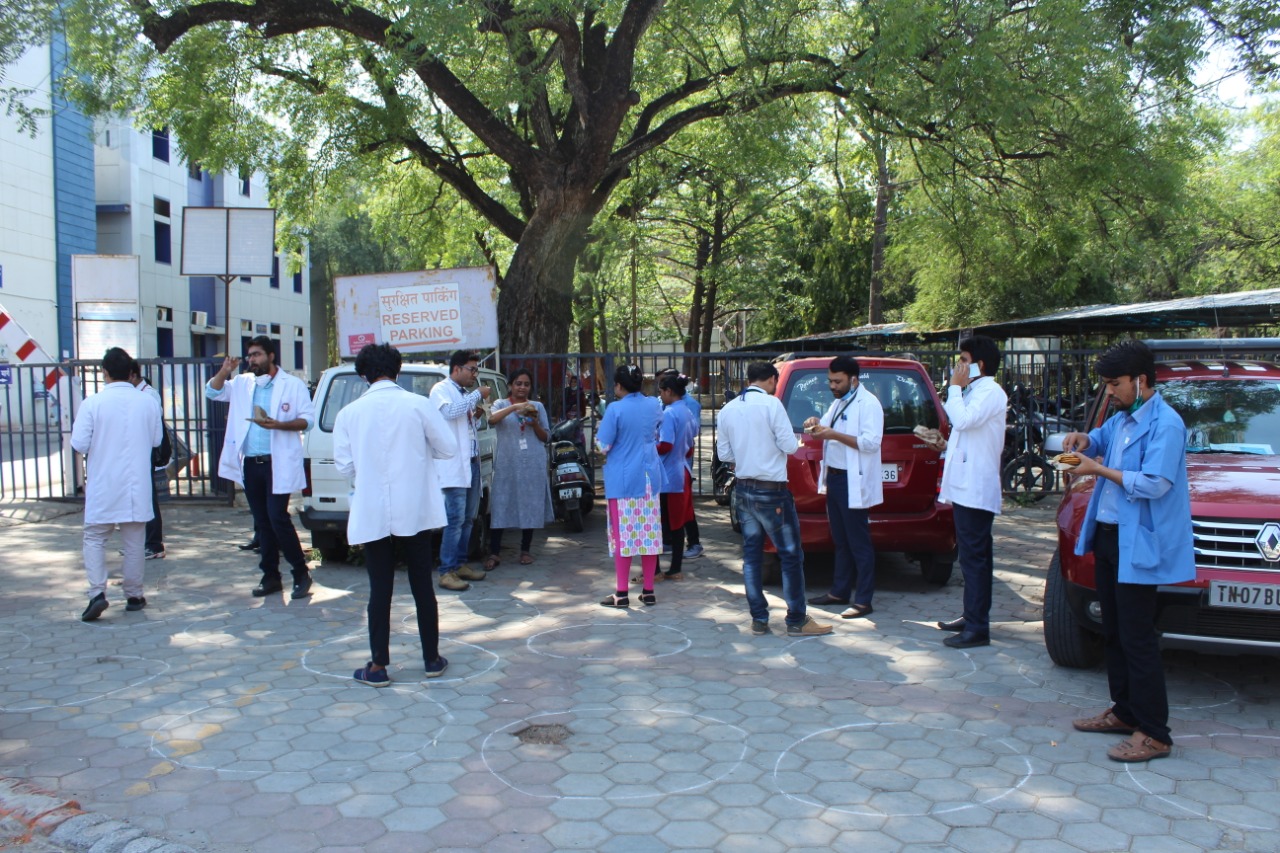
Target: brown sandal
pixel 492 563
pixel 1139 747
pixel 526 558
pixel 1106 723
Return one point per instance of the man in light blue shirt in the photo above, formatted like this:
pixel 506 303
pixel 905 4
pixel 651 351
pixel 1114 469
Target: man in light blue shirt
pixel 1138 527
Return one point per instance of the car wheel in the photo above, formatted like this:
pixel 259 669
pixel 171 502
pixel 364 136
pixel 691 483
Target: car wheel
pixel 770 569
pixel 478 547
pixel 573 520
pixel 1068 642
pixel 936 568
pixel 333 548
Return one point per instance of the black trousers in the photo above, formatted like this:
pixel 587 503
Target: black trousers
pixel 672 538
pixel 155 527
pixel 1135 672
pixel 495 540
pixel 977 565
pixel 276 533
pixel 380 563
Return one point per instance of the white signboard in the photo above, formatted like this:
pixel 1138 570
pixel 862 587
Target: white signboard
pixel 104 291
pixel 424 311
pixel 228 241
pixel 422 315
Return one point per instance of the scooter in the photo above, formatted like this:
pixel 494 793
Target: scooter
pixel 573 492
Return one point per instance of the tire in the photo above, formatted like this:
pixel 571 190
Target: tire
pixel 1029 474
pixel 478 547
pixel 936 568
pixel 588 502
pixel 333 548
pixel 1069 643
pixel 573 519
pixel 770 569
pixel 734 522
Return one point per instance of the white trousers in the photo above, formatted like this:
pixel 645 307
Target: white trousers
pixel 134 534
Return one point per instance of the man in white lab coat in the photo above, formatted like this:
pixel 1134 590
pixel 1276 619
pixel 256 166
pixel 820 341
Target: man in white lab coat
pixel 116 430
pixel 387 441
pixel 262 452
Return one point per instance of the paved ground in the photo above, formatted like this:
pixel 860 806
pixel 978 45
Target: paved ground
pixel 225 723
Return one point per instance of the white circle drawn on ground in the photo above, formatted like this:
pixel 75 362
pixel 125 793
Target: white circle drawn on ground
pixel 888 649
pixel 454 662
pixel 1202 812
pixel 15 648
pixel 879 774
pixel 258 740
pixel 641 770
pixel 632 650
pixel 132 667
pixel 500 612
pixel 1088 699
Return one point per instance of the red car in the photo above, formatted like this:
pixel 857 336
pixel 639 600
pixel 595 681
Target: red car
pixel 1231 409
pixel 910 520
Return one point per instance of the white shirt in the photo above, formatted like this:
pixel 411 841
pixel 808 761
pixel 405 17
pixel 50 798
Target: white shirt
pixel 457 408
pixel 290 399
pixel 862 417
pixel 388 441
pixel 755 434
pixel 116 429
pixel 971 470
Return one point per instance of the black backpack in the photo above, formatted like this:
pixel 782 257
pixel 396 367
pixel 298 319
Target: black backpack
pixel 162 453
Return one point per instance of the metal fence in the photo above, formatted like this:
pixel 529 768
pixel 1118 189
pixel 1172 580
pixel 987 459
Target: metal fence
pixel 1048 390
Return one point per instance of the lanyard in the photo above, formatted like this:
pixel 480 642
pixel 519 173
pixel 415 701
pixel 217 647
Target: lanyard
pixel 846 406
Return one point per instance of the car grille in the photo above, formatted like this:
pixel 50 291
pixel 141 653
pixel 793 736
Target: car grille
pixel 1192 619
pixel 1230 544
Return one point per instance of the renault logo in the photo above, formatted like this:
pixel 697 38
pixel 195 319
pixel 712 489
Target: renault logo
pixel 1268 541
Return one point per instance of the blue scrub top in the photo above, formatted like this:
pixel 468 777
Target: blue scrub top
pixel 679 430
pixel 629 435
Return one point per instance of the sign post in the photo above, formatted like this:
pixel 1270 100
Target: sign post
pixel 226 243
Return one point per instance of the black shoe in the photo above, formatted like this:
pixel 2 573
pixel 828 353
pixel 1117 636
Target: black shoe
pixel 97 606
pixel 267 587
pixel 967 640
pixel 135 604
pixel 828 598
pixel 302 588
pixel 953 625
pixel 251 545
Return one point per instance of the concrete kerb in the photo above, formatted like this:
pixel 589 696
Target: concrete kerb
pixel 32 813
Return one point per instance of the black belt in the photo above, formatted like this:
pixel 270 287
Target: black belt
pixel 1108 527
pixel 259 460
pixel 838 470
pixel 761 484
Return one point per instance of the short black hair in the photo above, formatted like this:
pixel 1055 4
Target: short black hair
pixel 630 377
pixel 265 344
pixel 117 363
pixel 760 370
pixel 462 358
pixel 845 364
pixel 671 380
pixel 517 373
pixel 135 369
pixel 982 348
pixel 378 360
pixel 1128 358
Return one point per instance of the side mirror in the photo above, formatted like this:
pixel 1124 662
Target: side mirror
pixel 1054 443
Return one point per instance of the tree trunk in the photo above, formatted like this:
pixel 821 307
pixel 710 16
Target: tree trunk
pixel 716 247
pixel 535 305
pixel 694 340
pixel 879 234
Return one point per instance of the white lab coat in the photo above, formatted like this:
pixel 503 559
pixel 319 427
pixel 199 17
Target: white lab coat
pixel 388 441
pixel 290 399
pixel 864 418
pixel 116 429
pixel 971 474
pixel 455 473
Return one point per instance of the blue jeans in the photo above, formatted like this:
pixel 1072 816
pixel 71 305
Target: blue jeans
pixel 772 513
pixel 460 507
pixel 851 530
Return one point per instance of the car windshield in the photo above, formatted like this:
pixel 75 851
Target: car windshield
pixel 1227 415
pixel 347 388
pixel 902 394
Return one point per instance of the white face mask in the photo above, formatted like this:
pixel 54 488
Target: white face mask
pixel 261 381
pixel 975 370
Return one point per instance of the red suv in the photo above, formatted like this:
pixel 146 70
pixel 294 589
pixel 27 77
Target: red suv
pixel 1231 409
pixel 910 520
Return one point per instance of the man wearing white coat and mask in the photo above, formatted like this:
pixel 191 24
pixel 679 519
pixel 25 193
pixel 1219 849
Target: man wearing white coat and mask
pixel 116 430
pixel 387 441
pixel 851 477
pixel 263 454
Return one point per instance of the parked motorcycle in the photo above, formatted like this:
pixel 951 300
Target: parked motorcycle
pixel 573 490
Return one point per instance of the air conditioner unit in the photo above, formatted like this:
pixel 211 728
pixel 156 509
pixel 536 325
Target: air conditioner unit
pixel 163 314
pixel 199 318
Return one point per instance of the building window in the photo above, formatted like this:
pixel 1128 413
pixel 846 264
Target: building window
pixel 164 234
pixel 246 279
pixel 244 346
pixel 297 355
pixel 275 329
pixel 160 144
pixel 275 272
pixel 164 343
pixel 297 282
pixel 244 182
pixel 194 172
pixel 164 243
pixel 246 326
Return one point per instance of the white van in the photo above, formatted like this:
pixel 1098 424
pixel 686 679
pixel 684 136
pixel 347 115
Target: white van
pixel 324 502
